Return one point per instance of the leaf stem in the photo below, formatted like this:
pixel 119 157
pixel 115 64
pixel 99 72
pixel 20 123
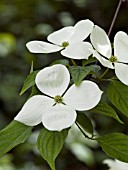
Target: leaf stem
pixel 106 80
pixel 115 16
pixel 83 132
pixel 73 62
pixel 104 73
pixel 31 70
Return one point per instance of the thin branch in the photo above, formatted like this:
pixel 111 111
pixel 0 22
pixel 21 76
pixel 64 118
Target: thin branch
pixel 73 62
pixel 84 133
pixel 115 16
pixel 104 73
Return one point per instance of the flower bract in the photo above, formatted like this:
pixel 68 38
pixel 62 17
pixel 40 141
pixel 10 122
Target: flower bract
pixel 57 110
pixel 103 52
pixel 68 39
pixel 116 165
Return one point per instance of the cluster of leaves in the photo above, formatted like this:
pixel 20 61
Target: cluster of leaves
pixel 50 142
pixel 23 31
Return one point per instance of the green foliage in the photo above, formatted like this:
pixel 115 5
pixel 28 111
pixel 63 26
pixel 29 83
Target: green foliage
pixel 12 135
pixel 62 61
pixel 106 110
pixel 50 143
pixel 118 95
pixel 78 73
pixel 36 25
pixel 115 145
pixel 29 81
pixel 34 91
pixel 84 122
pixel 89 61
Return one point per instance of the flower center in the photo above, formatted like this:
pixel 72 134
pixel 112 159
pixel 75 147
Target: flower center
pixel 65 44
pixel 58 99
pixel 113 59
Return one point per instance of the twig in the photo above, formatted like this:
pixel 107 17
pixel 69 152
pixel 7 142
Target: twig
pixel 115 16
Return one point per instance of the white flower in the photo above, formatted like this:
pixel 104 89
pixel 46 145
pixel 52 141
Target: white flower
pixel 68 39
pixel 116 165
pixel 57 110
pixel 119 61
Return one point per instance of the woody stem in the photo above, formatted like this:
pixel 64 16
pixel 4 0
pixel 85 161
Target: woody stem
pixel 115 16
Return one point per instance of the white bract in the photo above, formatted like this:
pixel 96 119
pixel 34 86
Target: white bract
pixel 68 39
pixel 119 60
pixel 116 165
pixel 57 110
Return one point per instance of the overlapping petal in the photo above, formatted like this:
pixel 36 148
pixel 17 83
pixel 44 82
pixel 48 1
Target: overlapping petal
pixel 121 71
pixel 102 60
pixel 121 46
pixel 42 47
pixel 116 164
pixel 32 111
pixel 53 80
pixel 60 36
pixel 81 30
pixel 101 42
pixel 78 50
pixel 59 117
pixel 69 36
pixel 83 97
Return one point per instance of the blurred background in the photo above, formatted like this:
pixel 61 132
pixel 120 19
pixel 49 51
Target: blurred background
pixel 25 20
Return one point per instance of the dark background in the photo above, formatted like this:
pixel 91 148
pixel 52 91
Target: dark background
pixel 25 20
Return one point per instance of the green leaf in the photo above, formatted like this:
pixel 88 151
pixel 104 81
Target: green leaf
pixel 105 109
pixel 34 91
pixel 29 81
pixel 91 60
pixel 62 61
pixel 94 69
pixel 50 143
pixel 84 122
pixel 115 145
pixel 79 73
pixel 117 93
pixel 12 135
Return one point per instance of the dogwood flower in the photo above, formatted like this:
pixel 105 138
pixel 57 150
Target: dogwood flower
pixel 116 165
pixel 57 110
pixel 119 60
pixel 68 39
